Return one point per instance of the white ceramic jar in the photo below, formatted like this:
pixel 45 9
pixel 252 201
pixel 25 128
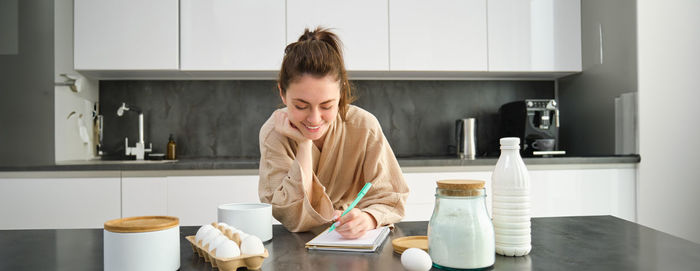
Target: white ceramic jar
pixel 142 243
pixel 251 218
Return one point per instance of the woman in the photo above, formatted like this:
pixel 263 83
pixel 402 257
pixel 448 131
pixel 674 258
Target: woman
pixel 318 152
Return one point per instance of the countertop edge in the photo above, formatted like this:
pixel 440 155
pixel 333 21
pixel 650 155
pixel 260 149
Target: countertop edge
pixel 250 166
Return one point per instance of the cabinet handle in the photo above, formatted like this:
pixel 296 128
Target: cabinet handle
pixel 600 38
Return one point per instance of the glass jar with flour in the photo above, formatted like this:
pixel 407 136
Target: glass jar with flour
pixel 460 232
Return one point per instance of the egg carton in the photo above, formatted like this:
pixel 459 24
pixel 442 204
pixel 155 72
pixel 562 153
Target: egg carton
pixel 227 264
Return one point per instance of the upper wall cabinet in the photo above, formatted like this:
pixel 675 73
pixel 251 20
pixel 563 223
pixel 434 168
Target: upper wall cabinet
pixel 126 35
pixel 362 26
pixel 441 35
pixel 245 39
pixel 534 35
pixel 232 35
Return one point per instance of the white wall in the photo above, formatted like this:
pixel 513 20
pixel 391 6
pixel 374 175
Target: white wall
pixel 669 91
pixel 68 143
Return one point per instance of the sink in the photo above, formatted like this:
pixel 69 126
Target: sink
pixel 133 161
pixel 117 159
pixel 99 161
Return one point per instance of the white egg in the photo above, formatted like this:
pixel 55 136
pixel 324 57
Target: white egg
pixel 210 236
pixel 252 245
pixel 241 234
pixel 223 224
pixel 415 259
pixel 217 241
pixel 228 249
pixel 203 230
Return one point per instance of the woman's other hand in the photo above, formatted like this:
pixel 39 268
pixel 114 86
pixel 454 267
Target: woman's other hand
pixel 285 127
pixel 354 224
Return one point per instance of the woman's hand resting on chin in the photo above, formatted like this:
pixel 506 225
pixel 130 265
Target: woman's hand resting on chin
pixel 286 127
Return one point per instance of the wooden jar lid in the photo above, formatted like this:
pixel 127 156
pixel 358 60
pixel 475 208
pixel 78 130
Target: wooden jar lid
pixel 141 224
pixel 403 243
pixel 460 184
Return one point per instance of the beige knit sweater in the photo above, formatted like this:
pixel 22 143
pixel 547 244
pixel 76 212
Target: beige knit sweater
pixel 354 152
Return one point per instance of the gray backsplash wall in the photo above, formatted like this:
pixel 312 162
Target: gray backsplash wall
pixel 223 118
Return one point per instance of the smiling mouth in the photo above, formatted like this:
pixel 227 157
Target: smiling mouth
pixel 312 127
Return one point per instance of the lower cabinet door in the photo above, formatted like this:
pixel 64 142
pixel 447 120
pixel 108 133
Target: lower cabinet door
pixel 144 196
pixel 194 199
pixel 56 203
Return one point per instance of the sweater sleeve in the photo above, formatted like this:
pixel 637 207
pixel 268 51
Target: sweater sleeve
pixel 280 185
pixel 386 200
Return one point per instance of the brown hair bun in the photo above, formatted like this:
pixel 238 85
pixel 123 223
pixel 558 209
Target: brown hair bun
pixel 319 54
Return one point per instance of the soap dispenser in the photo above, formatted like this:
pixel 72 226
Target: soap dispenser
pixel 171 148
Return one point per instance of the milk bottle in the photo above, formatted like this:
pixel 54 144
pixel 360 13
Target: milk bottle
pixel 511 201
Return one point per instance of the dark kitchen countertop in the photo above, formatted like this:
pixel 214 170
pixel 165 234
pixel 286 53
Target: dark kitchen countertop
pixel 559 243
pixel 491 161
pixel 253 163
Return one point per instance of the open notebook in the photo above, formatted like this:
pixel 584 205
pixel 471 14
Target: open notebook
pixel 333 241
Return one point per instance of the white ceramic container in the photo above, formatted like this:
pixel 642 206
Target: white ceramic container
pixel 142 243
pixel 251 218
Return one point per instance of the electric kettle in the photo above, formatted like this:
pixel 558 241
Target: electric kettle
pixel 465 134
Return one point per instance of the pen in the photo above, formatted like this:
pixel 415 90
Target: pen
pixel 354 202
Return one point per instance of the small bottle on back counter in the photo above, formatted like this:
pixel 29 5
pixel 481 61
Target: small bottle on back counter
pixel 171 148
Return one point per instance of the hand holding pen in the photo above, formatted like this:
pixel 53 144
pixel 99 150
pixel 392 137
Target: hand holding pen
pixel 353 223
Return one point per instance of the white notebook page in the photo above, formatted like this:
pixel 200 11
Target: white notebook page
pixel 335 239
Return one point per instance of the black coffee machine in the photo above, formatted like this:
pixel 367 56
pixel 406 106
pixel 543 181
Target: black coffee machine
pixel 535 122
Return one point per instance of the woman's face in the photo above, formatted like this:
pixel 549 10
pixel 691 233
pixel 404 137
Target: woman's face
pixel 312 104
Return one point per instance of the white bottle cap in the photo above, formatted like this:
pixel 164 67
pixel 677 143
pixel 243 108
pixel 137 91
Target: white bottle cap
pixel 510 143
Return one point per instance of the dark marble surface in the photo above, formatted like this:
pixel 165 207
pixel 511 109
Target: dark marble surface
pixel 560 243
pixel 248 164
pixel 222 118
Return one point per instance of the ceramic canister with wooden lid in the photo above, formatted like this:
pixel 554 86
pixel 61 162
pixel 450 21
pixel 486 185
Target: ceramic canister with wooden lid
pixel 142 243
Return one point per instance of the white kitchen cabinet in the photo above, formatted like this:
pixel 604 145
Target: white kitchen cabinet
pixel 443 35
pixel 421 199
pixel 534 35
pixel 561 192
pixel 220 35
pixel 88 199
pixel 361 25
pixel 56 202
pixel 144 196
pixel 194 199
pixel 126 35
pixel 584 192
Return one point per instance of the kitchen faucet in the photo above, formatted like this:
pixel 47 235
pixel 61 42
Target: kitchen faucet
pixel 140 150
